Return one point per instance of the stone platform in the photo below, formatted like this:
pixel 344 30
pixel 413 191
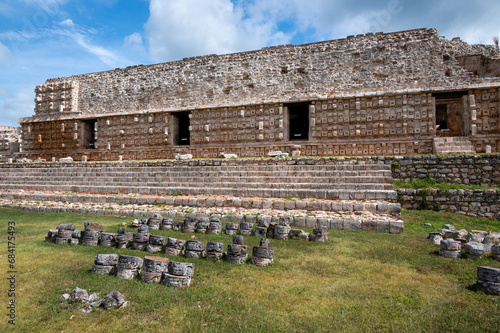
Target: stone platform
pixel 339 193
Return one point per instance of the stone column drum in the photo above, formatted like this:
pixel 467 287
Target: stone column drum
pixel 237 253
pixel 319 235
pixel 156 243
pixel 91 233
pixel 140 240
pixel 124 239
pixel 262 255
pixel 232 228
pixel 174 247
pixel 215 250
pixel 64 233
pixel 105 264
pixel 202 225
pixel 474 250
pixel 194 249
pixel 75 237
pixel 495 252
pixel 155 221
pixel 153 269
pixel 488 280
pixel 435 237
pixel 189 225
pixel 298 234
pixel 128 267
pixel 214 227
pixel 166 224
pixel 108 239
pixel 246 229
pixel 450 249
pixel 51 235
pixel 90 238
pixel 179 274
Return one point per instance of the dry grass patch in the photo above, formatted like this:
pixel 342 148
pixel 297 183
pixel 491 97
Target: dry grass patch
pixel 356 282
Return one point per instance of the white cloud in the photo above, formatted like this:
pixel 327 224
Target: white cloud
pixel 106 56
pixel 67 23
pixel 4 54
pixel 177 29
pixel 134 43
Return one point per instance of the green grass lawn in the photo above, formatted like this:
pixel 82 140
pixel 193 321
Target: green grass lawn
pixel 355 282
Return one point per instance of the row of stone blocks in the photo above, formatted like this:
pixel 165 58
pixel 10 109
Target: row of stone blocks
pixel 450 248
pixel 237 253
pixel 266 227
pixel 237 190
pixel 475 243
pixel 377 207
pixel 151 269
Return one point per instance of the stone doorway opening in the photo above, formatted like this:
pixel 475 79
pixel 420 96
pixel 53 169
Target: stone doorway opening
pixel 298 121
pixel 451 113
pixel 181 129
pixel 89 137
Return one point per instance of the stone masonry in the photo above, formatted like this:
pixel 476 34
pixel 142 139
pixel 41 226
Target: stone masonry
pixel 373 94
pixel 9 142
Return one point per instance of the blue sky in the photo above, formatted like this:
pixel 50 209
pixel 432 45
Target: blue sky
pixel 41 39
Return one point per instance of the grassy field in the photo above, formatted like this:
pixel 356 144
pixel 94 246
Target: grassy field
pixel 356 282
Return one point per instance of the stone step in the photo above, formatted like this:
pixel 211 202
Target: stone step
pixel 54 167
pixel 256 185
pixel 367 222
pixel 238 173
pixel 337 194
pixel 212 180
pixel 346 206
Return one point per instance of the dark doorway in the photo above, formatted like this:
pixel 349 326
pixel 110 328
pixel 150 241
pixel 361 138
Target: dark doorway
pixel 298 121
pixel 181 129
pixel 442 116
pixel 450 113
pixel 89 134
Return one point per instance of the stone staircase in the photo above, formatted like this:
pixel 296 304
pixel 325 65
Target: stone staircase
pixel 453 145
pixel 325 188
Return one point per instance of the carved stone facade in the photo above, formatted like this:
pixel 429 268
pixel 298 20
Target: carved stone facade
pixel 9 142
pixel 373 94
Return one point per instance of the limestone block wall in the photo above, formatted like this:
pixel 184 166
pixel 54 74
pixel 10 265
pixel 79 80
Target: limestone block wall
pixel 52 136
pixel 461 169
pixel 485 115
pixel 383 62
pixel 476 203
pixel 369 95
pixel 9 141
pixel 387 124
pixel 59 97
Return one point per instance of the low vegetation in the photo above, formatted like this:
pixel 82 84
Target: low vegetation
pixel 429 182
pixel 355 282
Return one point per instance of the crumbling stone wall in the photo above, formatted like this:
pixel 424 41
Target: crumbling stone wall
pixel 476 203
pixel 9 141
pixel 459 169
pixel 369 95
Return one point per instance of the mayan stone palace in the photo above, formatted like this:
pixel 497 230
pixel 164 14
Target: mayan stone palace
pixel 401 93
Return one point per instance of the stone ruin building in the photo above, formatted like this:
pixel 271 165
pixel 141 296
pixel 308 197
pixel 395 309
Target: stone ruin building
pixel 401 93
pixel 9 142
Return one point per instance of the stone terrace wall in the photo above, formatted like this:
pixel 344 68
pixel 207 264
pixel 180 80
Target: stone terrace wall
pixel 476 203
pixel 461 169
pixel 395 61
